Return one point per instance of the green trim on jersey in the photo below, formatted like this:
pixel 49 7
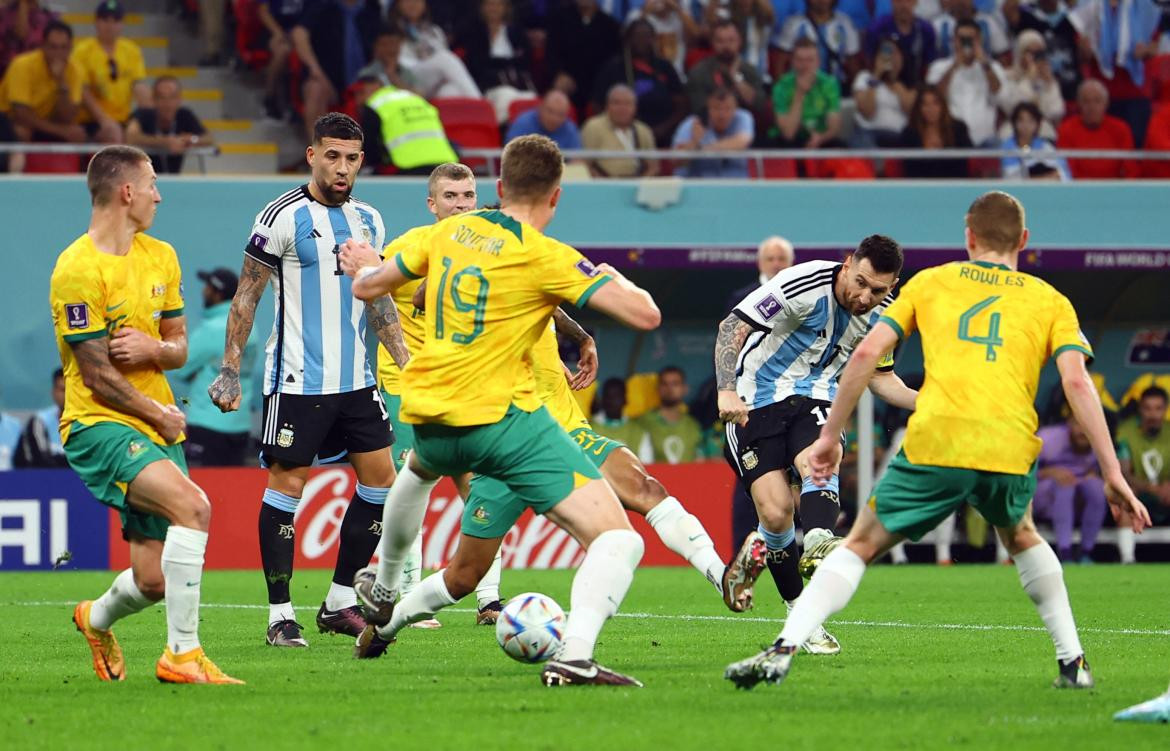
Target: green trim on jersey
pixel 897 327
pixel 584 298
pixel 405 271
pixel 172 313
pixel 76 338
pixel 503 220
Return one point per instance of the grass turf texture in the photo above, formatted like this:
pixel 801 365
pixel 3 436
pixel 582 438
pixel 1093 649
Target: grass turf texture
pixel 967 665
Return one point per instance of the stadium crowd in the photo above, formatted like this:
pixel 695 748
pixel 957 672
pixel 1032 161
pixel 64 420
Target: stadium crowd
pixel 709 75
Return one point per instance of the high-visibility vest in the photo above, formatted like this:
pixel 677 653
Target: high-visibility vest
pixel 411 129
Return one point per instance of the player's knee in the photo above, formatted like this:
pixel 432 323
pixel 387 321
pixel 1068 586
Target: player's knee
pixel 151 584
pixel 775 518
pixel 193 508
pixel 462 578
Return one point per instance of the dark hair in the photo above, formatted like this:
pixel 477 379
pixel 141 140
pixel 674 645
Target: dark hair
pixel 167 79
pixel 109 169
pixel 883 253
pixel 613 383
pixel 56 25
pixel 946 123
pixel 724 23
pixel 720 94
pixel 1028 107
pixel 968 23
pixel 395 16
pixel 58 373
pixel 804 43
pixel 672 369
pixel 390 29
pixel 1155 391
pixel 337 125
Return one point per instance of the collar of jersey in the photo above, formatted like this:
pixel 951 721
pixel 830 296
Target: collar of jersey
pixel 990 265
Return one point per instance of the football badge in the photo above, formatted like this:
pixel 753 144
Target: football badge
pixel 284 438
pixel 750 460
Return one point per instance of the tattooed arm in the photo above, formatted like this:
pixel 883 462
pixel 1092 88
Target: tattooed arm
pixel 225 389
pixel 383 317
pixel 587 364
pixel 110 386
pixel 733 332
pixel 132 348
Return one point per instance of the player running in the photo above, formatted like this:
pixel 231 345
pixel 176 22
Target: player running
pixel 987 330
pixel 320 401
pixel 777 359
pixel 493 280
pixel 116 296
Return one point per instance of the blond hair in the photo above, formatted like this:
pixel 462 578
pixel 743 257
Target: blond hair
pixel 530 168
pixel 110 169
pixel 448 171
pixel 997 221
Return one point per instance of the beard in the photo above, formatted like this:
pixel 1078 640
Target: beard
pixel 336 197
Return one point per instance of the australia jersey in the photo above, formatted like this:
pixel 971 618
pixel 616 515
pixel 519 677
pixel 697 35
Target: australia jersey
pixel 410 318
pixel 492 284
pixel 318 340
pixel 552 386
pixel 93 294
pixel 986 333
pixel 802 337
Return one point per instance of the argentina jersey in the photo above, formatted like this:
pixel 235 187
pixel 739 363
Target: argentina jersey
pixel 318 340
pixel 801 337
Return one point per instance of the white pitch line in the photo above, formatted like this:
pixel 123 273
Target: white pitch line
pixel 719 618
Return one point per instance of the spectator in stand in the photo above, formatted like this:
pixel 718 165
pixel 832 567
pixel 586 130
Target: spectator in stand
pixel 675 436
pixel 549 118
pixel 1051 19
pixel 612 422
pixel 167 130
pixel 41 90
pixel 993 36
pixel 581 39
pixel 278 17
pixel 10 432
pixel 22 28
pixel 836 38
pixel 674 30
pixel 333 39
pixel 1158 139
pixel 723 127
pixel 807 102
pixel 616 129
pixel 115 76
pixel 385 65
pixel 725 69
pixel 883 101
pixel 211 31
pixel 1092 128
pixel 496 52
pixel 438 71
pixel 1117 37
pixel 932 127
pixel 1031 80
pixel 1035 165
pixel 913 35
pixel 754 19
pixel 971 83
pixel 662 102
pixel 1068 473
pixel 1144 449
pixel 40 443
pixel 402 129
pixel 13 162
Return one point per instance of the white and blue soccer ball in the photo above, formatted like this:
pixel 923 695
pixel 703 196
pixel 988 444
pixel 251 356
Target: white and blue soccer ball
pixel 530 627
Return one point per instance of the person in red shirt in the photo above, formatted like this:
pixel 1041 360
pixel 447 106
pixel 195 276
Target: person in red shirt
pixel 1091 128
pixel 1158 139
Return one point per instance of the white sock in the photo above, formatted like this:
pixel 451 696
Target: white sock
pixel 598 589
pixel 182 565
pixel 428 598
pixel 340 597
pixel 1127 545
pixel 402 519
pixel 829 590
pixel 1001 551
pixel 488 589
pixel 1043 580
pixel 898 553
pixel 412 567
pixel 944 534
pixel 281 611
pixel 123 598
pixel 684 534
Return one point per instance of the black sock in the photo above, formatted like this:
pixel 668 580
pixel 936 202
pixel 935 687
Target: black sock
pixel 819 508
pixel 786 575
pixel 361 529
pixel 277 544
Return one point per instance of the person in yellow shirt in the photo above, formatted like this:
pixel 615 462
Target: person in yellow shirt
pixel 114 74
pixel 116 297
pixel 493 280
pixel 987 329
pixel 41 90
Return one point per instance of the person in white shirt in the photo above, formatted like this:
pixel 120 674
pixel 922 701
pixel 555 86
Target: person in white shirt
pixel 970 82
pixel 425 53
pixel 995 38
pixel 1031 80
pixel 883 101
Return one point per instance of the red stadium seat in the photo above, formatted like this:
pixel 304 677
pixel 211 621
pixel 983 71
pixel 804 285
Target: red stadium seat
pixel 42 163
pixel 1158 71
pixel 520 106
pixel 470 124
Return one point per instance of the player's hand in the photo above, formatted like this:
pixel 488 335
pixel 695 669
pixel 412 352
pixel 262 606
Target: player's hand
pixel 172 423
pixel 823 456
pixel 1127 509
pixel 732 408
pixel 586 366
pixel 356 254
pixel 130 347
pixel 1063 476
pixel 225 390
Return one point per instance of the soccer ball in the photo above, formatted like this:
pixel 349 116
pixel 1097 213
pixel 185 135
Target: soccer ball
pixel 530 626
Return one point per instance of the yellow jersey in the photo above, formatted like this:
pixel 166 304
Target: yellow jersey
pixel 492 285
pixel 28 82
pixel 111 79
pixel 552 386
pixel 986 333
pixel 411 318
pixel 93 294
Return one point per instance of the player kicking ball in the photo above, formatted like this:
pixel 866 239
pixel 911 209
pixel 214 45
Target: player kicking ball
pixel 493 281
pixel 987 330
pixel 118 313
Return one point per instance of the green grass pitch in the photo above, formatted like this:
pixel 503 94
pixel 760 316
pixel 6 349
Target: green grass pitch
pixel 932 658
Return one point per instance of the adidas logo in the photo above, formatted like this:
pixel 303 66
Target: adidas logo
pixel 315 233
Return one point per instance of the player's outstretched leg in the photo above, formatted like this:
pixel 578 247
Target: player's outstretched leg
pixel 95 618
pixel 412 577
pixel 1154 710
pixel 361 529
pixel 277 547
pixel 487 595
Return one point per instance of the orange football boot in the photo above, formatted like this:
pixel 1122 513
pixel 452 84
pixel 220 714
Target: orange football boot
pixel 107 655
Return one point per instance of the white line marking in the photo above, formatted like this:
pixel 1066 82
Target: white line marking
pixel 716 618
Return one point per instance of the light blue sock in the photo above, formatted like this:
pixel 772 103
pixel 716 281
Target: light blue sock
pixel 278 500
pixel 376 496
pixel 778 540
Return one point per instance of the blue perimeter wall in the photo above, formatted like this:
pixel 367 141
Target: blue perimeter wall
pixel 208 221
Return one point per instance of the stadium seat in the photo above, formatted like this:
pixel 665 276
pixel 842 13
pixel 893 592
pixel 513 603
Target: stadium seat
pixel 54 164
pixel 470 124
pixel 774 168
pixel 520 106
pixel 641 394
pixel 1158 71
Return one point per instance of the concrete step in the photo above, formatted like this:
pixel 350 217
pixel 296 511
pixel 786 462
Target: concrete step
pixel 228 130
pixel 206 103
pixel 156 51
pixel 237 159
pixel 191 77
pixel 133 25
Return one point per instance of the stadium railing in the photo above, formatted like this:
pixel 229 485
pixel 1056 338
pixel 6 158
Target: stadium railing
pixel 199 153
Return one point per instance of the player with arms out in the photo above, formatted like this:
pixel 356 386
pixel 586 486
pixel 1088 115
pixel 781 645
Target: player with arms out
pixel 987 330
pixel 777 359
pixel 320 401
pixel 493 280
pixel 116 297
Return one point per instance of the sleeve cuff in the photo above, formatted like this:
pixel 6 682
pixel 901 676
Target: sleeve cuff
pixel 750 321
pixel 172 313
pixel 1076 347
pixel 897 327
pixel 261 256
pixel 405 271
pixel 598 284
pixel 83 337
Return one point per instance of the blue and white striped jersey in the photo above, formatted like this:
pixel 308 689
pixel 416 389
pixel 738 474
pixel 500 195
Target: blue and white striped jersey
pixel 801 336
pixel 318 341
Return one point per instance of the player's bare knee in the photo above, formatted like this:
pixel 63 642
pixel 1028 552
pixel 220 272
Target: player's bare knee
pixel 193 509
pixel 775 517
pixel 462 577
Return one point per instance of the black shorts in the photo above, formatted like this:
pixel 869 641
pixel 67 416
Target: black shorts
pixel 300 429
pixel 773 437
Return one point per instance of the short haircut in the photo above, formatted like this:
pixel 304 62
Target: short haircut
pixel 672 369
pixel 1155 391
pixel 720 94
pixel 613 383
pixel 804 43
pixel 530 168
pixel 1031 109
pixel 337 125
pixel 390 30
pixel 997 221
pixel 883 253
pixel 57 25
pixel 109 169
pixel 967 23
pixel 724 23
pixel 167 79
pixel 448 171
pixel 58 373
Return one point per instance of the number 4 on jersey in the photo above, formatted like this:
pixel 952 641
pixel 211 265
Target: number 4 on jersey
pixel 992 339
